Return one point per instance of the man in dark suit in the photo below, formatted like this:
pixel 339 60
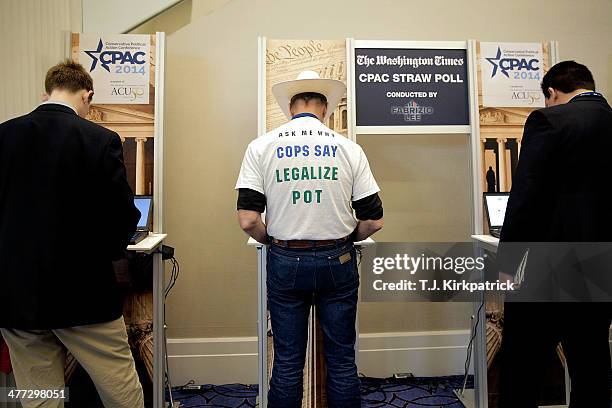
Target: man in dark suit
pixel 560 194
pixel 490 180
pixel 66 212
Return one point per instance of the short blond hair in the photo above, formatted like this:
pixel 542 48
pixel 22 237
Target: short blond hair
pixel 68 75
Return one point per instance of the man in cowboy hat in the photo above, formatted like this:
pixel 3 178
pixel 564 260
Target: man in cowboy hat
pixel 320 196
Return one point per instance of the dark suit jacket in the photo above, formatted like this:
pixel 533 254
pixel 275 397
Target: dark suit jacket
pixel 561 190
pixel 66 211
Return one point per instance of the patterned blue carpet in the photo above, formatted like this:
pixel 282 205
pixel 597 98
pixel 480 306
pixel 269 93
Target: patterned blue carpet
pixel 435 392
pixel 432 392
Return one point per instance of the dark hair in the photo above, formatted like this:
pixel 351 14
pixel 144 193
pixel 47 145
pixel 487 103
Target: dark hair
pixel 68 75
pixel 567 76
pixel 307 97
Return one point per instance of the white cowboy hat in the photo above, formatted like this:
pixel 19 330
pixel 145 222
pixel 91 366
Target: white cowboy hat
pixel 309 81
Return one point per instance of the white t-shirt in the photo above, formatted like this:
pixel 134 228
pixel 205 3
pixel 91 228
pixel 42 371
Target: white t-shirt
pixel 309 175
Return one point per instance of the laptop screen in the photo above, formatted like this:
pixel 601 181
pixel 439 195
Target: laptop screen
pixel 495 205
pixel 143 203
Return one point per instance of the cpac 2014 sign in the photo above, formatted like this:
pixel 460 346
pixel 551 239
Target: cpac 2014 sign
pixel 517 66
pixel 119 59
pixel 511 74
pixel 411 87
pixel 119 66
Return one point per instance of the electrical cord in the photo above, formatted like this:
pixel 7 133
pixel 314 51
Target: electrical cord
pixel 470 347
pixel 174 274
pixel 176 269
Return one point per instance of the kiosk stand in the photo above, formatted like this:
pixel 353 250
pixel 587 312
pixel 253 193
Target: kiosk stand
pixel 159 349
pixel 152 245
pixel 482 241
pixel 449 123
pixel 139 122
pixel 384 100
pixel 331 63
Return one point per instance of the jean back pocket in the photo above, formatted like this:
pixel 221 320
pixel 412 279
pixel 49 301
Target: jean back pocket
pixel 343 268
pixel 281 270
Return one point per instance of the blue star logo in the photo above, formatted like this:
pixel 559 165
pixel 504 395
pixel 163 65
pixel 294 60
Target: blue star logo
pixel 495 62
pixel 95 59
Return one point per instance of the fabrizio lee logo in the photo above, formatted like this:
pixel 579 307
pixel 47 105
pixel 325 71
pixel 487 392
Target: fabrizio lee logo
pixel 114 57
pixel 504 64
pixel 412 111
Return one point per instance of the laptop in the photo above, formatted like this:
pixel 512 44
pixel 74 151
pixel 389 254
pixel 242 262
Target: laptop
pixel 495 207
pixel 145 206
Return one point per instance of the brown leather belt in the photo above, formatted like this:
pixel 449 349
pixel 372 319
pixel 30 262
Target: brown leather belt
pixel 306 243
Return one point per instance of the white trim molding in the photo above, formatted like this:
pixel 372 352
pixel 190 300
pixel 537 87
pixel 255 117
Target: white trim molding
pixel 234 359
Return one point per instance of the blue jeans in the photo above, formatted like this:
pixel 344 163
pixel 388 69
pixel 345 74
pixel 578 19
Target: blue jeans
pixel 297 279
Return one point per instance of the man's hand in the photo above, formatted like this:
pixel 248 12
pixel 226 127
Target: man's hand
pixel 366 228
pixel 504 277
pixel 252 224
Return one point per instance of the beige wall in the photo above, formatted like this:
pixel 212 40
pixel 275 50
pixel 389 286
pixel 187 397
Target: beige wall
pixel 423 181
pixel 211 91
pixel 31 41
pixel 103 16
